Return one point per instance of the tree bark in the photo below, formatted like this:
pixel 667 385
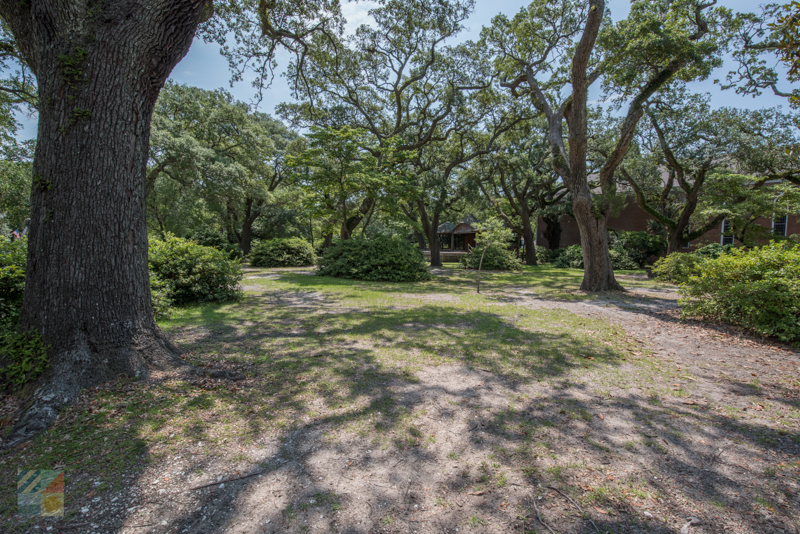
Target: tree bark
pixel 420 239
pixel 598 275
pixel 527 234
pixel 87 281
pixel 251 214
pixel 431 228
pixel 552 232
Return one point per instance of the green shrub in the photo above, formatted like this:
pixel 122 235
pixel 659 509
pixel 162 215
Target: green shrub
pixel 381 258
pixel 291 252
pixel 218 240
pixel 713 251
pixel 545 255
pixel 496 258
pixel 621 260
pixel 570 257
pixel 160 297
pixel 23 357
pixel 638 246
pixel 677 267
pixel 13 257
pixel 194 273
pixel 756 288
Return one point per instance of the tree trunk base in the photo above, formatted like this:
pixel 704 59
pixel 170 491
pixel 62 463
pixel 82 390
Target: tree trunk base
pixel 82 368
pixel 596 286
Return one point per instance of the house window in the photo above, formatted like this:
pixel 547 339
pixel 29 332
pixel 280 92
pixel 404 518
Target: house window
pixel 727 233
pixel 779 225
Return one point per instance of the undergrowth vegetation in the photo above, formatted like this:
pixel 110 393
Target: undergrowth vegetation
pixel 290 252
pixel 494 259
pixel 757 288
pixel 380 258
pixel 187 272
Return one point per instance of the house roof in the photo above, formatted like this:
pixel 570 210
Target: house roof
pixel 464 228
pixel 460 228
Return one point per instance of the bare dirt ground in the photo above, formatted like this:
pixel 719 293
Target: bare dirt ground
pixel 696 432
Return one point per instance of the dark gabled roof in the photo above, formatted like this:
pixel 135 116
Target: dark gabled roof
pixel 446 228
pixel 470 220
pixel 464 228
pixel 460 228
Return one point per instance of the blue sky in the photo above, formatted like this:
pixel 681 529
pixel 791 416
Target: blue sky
pixel 204 67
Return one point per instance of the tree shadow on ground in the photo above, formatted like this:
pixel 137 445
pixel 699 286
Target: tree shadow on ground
pixel 427 419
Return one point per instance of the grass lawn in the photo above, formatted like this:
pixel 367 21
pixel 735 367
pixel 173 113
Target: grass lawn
pixel 438 407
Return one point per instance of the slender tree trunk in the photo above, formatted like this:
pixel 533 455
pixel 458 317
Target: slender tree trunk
pixel 87 282
pixel 246 241
pixel 527 234
pixel 431 228
pixel 677 234
pixel 327 240
pixel 250 216
pixel 433 239
pixel 420 239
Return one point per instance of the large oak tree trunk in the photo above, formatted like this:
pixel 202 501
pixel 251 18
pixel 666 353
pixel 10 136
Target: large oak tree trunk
pixel 598 275
pixel 87 282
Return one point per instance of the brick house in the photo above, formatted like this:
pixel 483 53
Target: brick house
pixel 634 219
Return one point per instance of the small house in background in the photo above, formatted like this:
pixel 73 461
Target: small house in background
pixel 455 240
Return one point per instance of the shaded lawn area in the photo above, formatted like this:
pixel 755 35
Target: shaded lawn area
pixel 339 365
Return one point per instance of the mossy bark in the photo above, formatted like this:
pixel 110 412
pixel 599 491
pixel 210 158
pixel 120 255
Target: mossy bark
pixel 100 67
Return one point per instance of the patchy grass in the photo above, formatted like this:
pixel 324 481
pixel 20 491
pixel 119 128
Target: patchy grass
pixel 355 360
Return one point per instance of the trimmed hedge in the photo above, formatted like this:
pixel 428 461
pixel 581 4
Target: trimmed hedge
pixel 758 289
pixel 194 273
pixel 496 259
pixel 291 252
pixel 380 258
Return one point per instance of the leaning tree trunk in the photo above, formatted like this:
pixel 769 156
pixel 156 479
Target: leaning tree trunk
pixel 87 282
pixel 598 275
